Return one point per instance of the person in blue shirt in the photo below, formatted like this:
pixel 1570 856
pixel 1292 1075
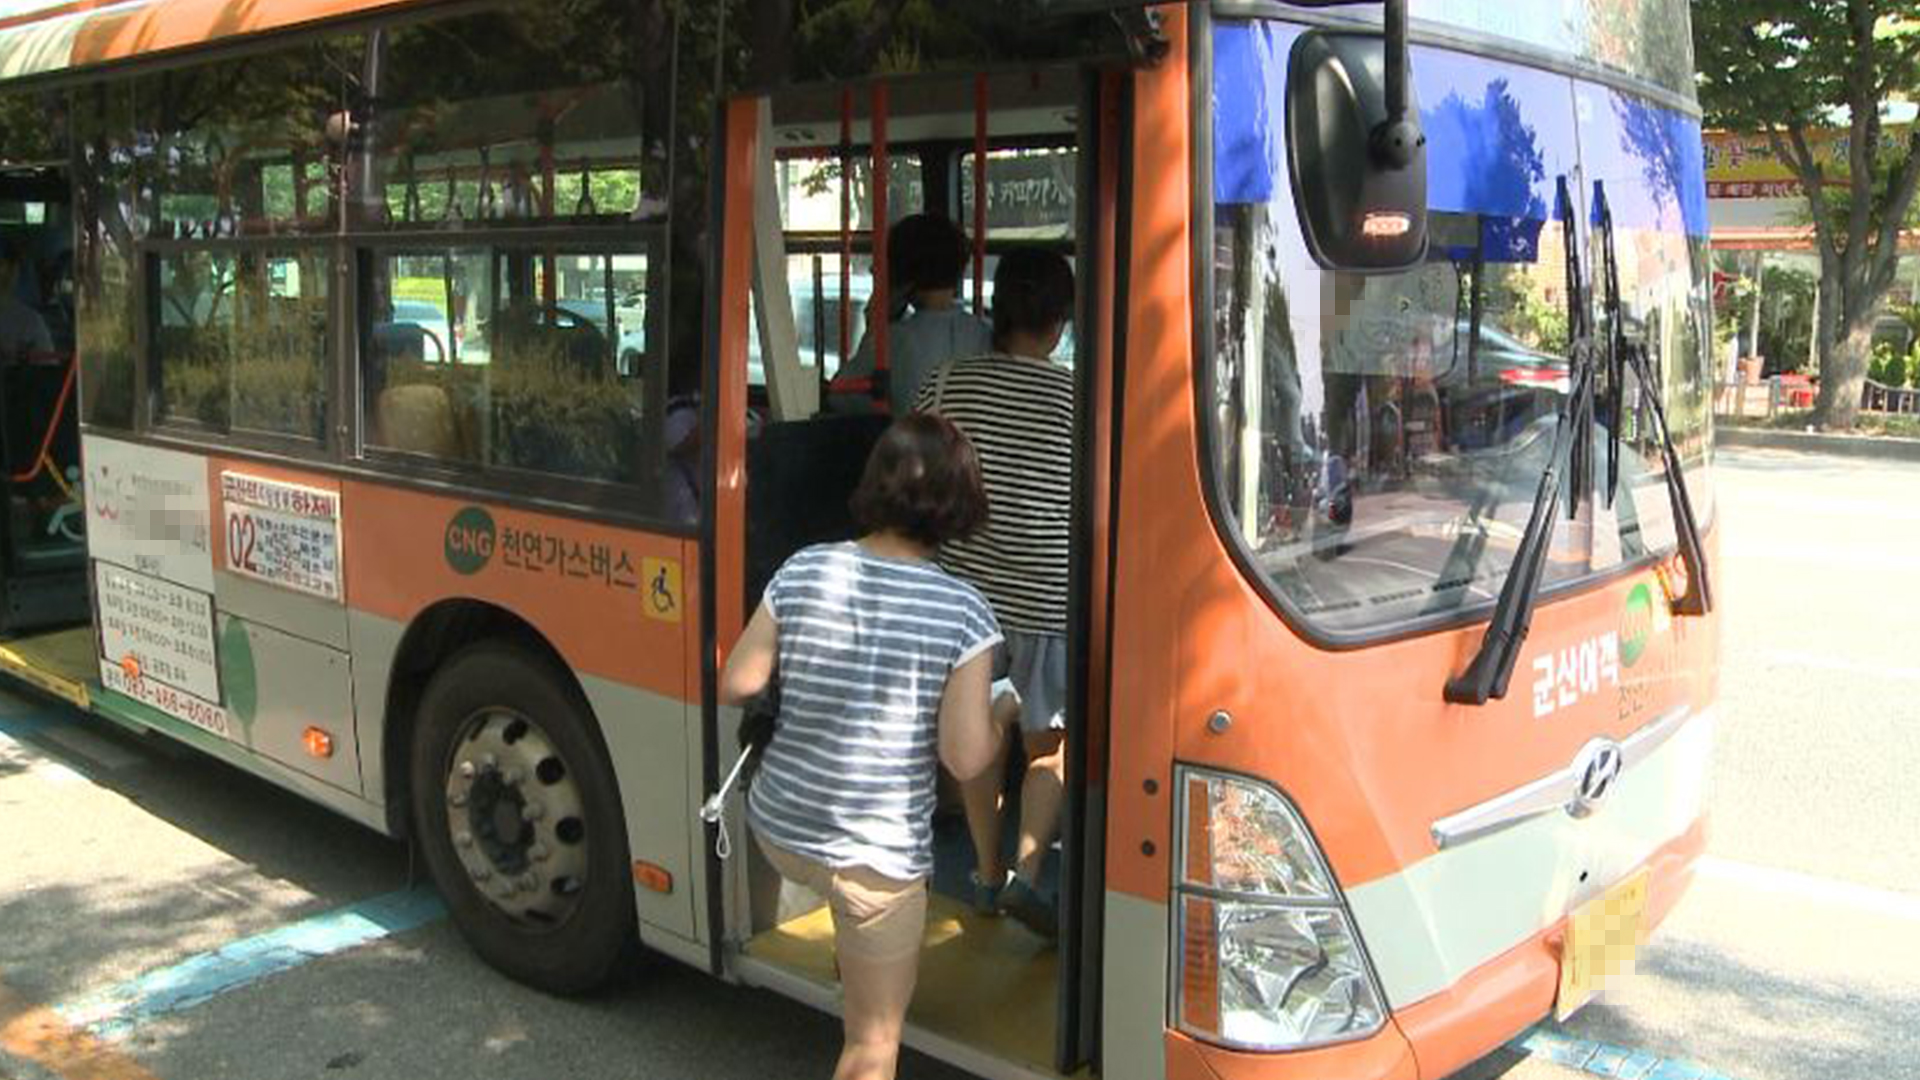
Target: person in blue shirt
pixel 929 325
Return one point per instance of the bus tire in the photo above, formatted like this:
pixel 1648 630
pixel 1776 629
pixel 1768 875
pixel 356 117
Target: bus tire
pixel 516 811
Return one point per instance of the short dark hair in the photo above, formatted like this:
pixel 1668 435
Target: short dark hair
pixel 1032 292
pixel 927 251
pixel 923 482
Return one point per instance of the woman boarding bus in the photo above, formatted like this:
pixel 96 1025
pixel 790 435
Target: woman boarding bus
pixel 1390 640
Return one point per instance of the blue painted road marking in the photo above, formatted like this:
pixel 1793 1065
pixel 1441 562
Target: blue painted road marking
pixel 112 1013
pixel 1600 1059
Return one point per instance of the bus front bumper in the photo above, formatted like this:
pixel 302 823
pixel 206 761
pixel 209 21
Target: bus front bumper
pixel 1434 1038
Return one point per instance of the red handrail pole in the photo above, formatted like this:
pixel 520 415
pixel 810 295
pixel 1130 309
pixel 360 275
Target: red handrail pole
pixel 41 459
pixel 846 225
pixel 879 179
pixel 979 195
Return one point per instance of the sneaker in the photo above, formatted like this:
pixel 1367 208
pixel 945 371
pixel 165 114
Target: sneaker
pixel 1033 911
pixel 986 898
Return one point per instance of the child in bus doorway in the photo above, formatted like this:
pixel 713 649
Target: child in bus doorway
pixel 928 254
pixel 1017 407
pixel 885 664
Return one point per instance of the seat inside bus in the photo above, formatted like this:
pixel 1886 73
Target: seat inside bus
pixel 986 981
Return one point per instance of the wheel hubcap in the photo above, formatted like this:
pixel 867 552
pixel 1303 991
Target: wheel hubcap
pixel 516 818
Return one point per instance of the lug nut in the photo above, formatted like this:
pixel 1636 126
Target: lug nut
pixel 467 769
pixel 533 811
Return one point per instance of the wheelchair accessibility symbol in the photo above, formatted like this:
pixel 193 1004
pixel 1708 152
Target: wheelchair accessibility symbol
pixel 662 598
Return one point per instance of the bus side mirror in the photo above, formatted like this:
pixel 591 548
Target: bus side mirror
pixel 1359 158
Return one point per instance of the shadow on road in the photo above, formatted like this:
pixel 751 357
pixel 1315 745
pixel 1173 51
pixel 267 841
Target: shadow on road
pixel 1766 1026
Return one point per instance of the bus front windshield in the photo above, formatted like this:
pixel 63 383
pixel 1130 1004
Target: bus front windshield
pixel 1378 439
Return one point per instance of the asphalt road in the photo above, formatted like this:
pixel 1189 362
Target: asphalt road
pixel 205 925
pixel 1797 954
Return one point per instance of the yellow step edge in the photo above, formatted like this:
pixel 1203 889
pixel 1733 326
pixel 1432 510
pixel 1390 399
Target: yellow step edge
pixel 61 686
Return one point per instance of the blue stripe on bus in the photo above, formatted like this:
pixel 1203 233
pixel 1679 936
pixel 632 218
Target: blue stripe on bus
pixel 114 1012
pixel 1601 1059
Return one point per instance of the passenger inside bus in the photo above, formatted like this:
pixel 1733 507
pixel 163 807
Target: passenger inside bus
pixel 42 550
pixel 22 330
pixel 1017 407
pixel 929 325
pixel 1009 174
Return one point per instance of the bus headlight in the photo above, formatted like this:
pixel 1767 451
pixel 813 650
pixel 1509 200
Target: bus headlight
pixel 1269 957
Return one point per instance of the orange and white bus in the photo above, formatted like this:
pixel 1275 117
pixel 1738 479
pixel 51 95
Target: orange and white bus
pixel 451 376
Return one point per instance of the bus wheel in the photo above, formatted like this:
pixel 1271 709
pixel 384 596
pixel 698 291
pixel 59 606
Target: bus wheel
pixel 515 808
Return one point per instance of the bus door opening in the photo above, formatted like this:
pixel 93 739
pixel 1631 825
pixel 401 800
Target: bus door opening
pixel 42 545
pixel 836 170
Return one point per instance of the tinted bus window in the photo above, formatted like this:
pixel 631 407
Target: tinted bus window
pixel 104 134
pixel 199 158
pixel 245 147
pixel 467 361
pixel 1649 39
pixel 1380 438
pixel 536 113
pixel 240 340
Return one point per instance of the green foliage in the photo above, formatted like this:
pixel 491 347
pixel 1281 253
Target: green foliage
pixel 552 416
pixel 1765 63
pixel 1537 322
pixel 1786 67
pixel 26 135
pixel 1889 366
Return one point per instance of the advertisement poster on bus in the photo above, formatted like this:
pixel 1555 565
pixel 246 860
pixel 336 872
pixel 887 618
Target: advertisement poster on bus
pixel 157 645
pixel 147 510
pixel 283 534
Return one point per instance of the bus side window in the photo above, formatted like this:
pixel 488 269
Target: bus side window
pixel 521 333
pixel 467 361
pixel 240 340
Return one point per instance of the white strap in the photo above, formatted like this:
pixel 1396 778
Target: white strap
pixel 714 810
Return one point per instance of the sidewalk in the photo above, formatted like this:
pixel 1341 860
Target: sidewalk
pixel 1868 446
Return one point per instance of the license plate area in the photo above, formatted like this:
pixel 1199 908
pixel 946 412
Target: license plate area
pixel 1602 946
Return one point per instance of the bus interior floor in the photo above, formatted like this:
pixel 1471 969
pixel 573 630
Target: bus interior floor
pixel 60 662
pixel 986 981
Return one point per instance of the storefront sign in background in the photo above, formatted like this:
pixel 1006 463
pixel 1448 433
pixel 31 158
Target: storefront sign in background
pixel 1744 166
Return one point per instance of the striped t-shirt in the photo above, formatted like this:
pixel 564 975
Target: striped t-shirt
pixel 1019 414
pixel 866 644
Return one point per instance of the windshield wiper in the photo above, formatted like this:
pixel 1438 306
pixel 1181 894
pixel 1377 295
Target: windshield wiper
pixel 1490 670
pixel 1623 354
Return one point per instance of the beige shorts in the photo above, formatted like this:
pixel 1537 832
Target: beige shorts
pixel 878 921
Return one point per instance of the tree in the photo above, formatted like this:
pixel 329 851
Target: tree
pixel 1790 68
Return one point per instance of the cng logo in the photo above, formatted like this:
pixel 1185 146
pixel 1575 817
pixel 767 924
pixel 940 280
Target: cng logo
pixel 1636 624
pixel 469 540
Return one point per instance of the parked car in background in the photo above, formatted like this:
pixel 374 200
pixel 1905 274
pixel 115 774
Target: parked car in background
pixel 432 321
